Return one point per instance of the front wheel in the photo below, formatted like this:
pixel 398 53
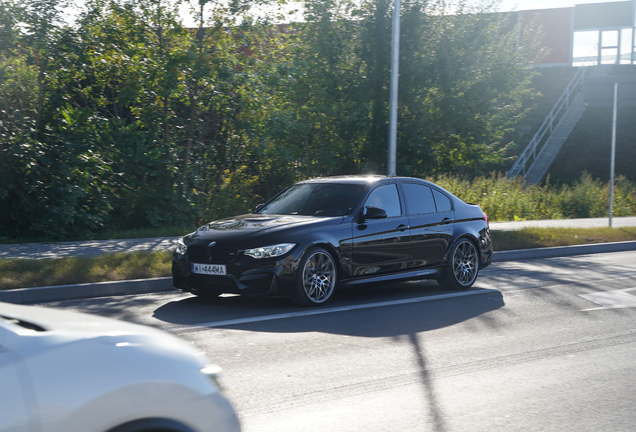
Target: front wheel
pixel 462 268
pixel 316 279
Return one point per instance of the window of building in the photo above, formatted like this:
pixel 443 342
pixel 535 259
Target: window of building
pixel 626 46
pixel 585 48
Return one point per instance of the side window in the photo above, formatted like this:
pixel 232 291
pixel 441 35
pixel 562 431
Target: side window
pixel 385 197
pixel 419 199
pixel 442 201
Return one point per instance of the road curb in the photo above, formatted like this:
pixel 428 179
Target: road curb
pixel 87 290
pixel 142 286
pixel 562 251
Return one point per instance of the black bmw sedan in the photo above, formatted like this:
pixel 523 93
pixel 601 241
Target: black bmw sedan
pixel 324 234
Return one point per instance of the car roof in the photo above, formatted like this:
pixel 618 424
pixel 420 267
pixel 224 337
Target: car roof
pixel 373 179
pixel 361 179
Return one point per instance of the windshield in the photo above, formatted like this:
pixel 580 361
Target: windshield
pixel 316 199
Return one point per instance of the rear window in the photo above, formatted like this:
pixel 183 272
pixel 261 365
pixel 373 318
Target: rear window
pixel 442 201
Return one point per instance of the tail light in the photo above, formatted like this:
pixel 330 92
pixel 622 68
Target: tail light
pixel 485 216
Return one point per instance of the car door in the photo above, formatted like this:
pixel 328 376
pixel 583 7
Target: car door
pixel 431 224
pixel 381 245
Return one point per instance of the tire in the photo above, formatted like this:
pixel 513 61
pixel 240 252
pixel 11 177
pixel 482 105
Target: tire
pixel 316 279
pixel 462 268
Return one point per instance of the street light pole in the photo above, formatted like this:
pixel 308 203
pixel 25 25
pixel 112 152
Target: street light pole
pixel 613 157
pixel 395 64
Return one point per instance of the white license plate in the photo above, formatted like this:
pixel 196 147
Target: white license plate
pixel 209 269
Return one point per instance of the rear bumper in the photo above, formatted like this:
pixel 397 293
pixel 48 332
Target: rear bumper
pixel 485 248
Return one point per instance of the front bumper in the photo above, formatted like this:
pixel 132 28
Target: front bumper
pixel 246 276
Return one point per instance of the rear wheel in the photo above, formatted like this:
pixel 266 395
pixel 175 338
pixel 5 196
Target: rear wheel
pixel 462 268
pixel 316 279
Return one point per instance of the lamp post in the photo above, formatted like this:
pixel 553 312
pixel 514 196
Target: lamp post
pixel 613 157
pixel 395 65
pixel 611 91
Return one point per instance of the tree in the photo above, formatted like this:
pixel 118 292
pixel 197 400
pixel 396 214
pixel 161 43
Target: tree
pixel 47 187
pixel 463 83
pixel 128 119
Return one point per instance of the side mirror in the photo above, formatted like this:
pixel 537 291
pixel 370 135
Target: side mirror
pixel 258 207
pixel 374 213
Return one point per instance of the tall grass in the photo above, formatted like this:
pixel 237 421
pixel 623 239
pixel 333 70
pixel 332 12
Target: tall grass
pixel 505 199
pixel 501 198
pixel 530 238
pixel 25 273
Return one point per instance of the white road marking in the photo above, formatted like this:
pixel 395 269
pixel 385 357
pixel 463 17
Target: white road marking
pixel 546 284
pixel 309 312
pixel 616 299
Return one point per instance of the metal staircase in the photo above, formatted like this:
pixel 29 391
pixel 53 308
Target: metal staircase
pixel 543 148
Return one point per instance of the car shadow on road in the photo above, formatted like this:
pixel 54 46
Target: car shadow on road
pixel 405 323
pixel 374 312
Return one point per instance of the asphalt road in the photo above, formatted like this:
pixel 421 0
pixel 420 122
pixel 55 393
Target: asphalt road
pixel 536 345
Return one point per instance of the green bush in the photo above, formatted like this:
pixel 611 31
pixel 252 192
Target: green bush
pixel 505 199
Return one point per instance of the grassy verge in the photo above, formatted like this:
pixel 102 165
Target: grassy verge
pixel 141 265
pixel 531 238
pixel 24 273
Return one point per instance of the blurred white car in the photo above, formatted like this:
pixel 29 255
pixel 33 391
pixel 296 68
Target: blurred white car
pixel 71 372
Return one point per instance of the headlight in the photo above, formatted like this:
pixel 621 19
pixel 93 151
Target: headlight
pixel 213 372
pixel 181 248
pixel 270 251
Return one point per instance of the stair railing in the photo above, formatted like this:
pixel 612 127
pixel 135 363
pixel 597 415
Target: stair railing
pixel 529 154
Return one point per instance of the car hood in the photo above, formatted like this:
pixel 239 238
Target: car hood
pixel 256 223
pixel 29 330
pixel 46 319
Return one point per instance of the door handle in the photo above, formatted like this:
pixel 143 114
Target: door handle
pixel 446 219
pixel 402 227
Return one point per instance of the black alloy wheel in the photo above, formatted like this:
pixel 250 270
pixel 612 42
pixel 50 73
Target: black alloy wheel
pixel 316 279
pixel 462 268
